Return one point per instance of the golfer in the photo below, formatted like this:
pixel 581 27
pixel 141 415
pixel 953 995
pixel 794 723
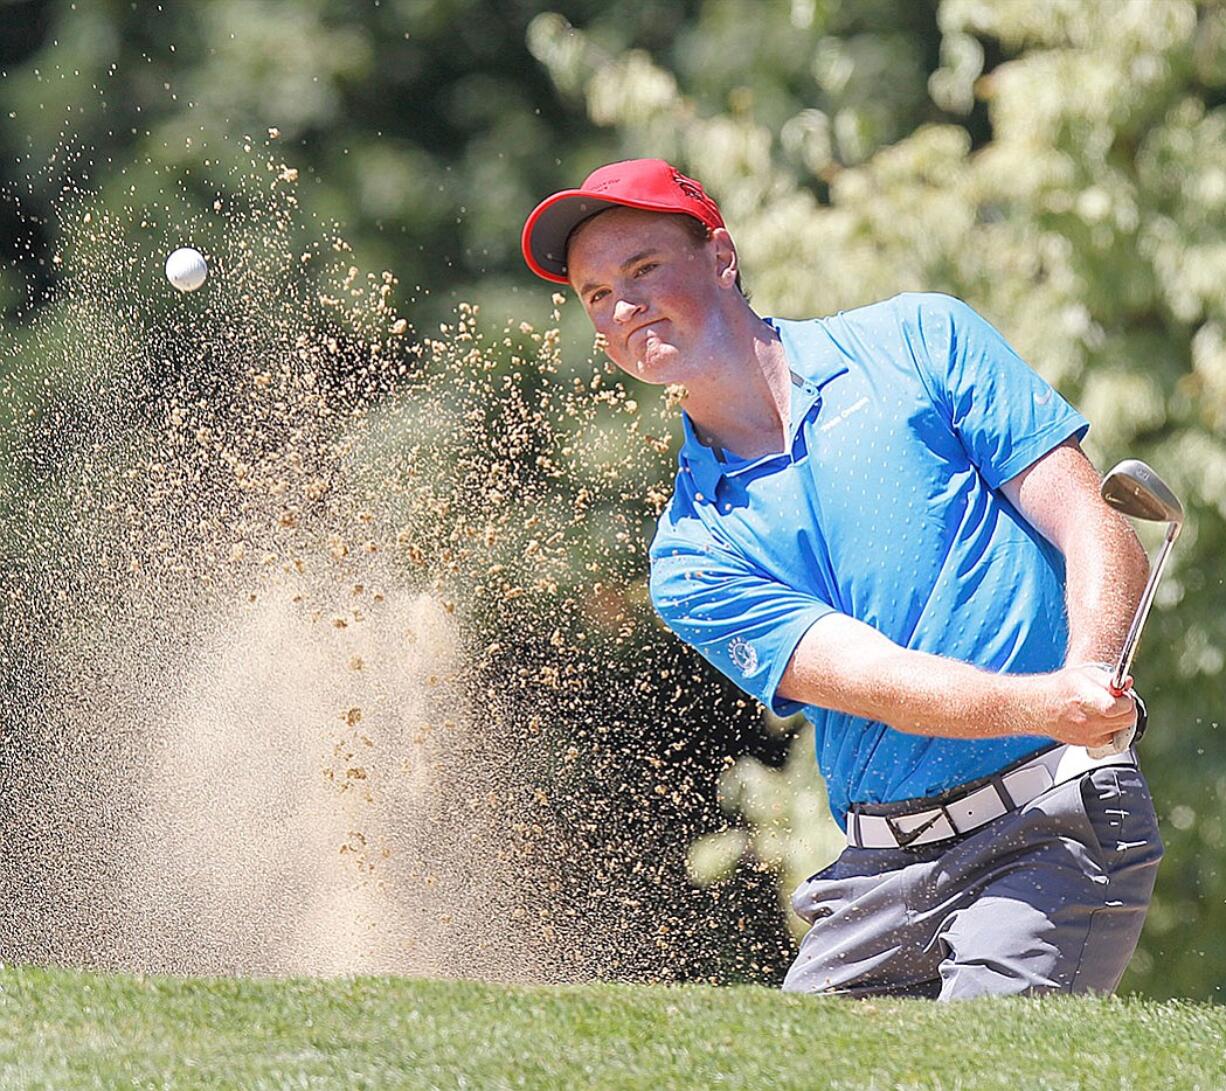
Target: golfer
pixel 884 520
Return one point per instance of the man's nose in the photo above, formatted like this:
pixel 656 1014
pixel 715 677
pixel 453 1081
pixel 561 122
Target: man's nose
pixel 624 310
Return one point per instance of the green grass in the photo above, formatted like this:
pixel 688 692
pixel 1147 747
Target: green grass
pixel 61 1029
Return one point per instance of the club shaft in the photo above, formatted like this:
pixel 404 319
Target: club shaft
pixel 1147 600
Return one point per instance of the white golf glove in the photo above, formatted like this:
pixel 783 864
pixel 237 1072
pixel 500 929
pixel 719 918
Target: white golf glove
pixel 1125 738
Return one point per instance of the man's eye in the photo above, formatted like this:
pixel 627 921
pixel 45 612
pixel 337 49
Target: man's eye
pixel 598 295
pixel 646 268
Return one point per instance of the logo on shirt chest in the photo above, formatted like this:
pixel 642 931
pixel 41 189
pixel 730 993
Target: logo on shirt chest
pixel 839 418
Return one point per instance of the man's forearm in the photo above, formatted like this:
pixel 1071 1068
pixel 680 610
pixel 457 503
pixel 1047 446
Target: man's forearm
pixel 1105 565
pixel 930 695
pixel 1106 569
pixel 847 666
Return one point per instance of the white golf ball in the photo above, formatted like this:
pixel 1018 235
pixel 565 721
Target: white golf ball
pixel 186 269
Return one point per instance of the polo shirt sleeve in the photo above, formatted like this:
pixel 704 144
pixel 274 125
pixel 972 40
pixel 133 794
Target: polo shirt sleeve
pixel 1005 414
pixel 743 621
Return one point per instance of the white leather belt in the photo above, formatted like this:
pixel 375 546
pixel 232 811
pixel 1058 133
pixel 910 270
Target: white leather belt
pixel 944 819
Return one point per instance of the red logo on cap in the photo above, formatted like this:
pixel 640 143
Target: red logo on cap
pixel 688 186
pixel 694 191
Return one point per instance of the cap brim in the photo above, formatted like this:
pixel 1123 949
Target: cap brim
pixel 553 220
pixel 550 225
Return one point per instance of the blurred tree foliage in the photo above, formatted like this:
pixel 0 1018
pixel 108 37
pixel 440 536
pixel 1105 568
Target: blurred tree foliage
pixel 1060 165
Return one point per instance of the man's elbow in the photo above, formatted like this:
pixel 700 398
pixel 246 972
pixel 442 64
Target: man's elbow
pixel 845 665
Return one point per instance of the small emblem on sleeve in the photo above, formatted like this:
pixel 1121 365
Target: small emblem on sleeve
pixel 744 655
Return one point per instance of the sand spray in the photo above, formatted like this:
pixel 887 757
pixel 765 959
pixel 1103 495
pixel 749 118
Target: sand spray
pixel 309 613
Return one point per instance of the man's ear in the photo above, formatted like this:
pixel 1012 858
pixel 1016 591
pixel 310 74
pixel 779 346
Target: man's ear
pixel 727 264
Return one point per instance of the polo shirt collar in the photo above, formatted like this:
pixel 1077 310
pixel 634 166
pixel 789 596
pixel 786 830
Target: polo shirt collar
pixel 813 362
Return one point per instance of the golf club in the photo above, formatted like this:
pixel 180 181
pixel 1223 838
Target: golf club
pixel 1134 489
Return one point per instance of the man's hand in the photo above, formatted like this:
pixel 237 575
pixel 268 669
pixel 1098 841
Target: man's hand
pixel 1078 707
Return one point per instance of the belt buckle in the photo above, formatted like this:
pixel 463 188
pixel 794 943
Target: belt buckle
pixel 905 838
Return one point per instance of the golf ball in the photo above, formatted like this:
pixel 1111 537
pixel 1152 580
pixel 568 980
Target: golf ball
pixel 186 269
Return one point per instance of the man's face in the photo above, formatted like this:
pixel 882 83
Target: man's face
pixel 650 289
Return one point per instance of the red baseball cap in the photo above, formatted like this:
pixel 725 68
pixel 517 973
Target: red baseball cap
pixel 649 184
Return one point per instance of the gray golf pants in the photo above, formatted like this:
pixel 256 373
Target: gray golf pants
pixel 1047 898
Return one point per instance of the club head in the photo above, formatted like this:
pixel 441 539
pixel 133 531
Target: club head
pixel 1134 489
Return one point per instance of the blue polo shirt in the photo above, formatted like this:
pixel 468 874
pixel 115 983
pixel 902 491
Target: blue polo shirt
pixel 906 418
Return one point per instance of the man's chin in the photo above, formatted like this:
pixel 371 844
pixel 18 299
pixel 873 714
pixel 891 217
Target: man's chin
pixel 655 363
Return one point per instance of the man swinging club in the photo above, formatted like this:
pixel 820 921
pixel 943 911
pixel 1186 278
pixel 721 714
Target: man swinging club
pixel 884 520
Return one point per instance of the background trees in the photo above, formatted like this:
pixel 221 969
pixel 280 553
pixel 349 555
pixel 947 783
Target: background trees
pixel 1060 166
